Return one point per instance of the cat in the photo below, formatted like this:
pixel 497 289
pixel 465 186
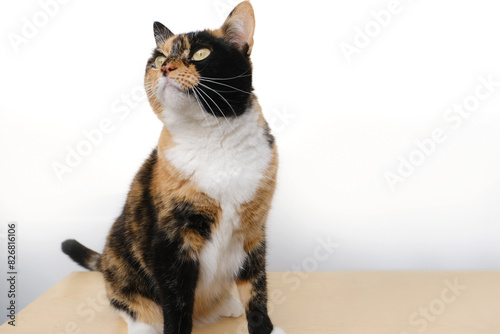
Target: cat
pixel 194 220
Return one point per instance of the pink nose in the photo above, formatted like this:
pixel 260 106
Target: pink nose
pixel 168 68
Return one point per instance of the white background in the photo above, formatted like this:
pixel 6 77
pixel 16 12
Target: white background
pixel 340 127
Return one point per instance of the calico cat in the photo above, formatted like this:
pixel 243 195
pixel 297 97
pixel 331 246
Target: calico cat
pixel 194 219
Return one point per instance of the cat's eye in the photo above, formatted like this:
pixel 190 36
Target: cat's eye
pixel 159 61
pixel 201 54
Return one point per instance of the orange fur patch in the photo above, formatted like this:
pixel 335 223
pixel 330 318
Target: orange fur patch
pixel 147 311
pixel 167 45
pixel 245 291
pixel 187 77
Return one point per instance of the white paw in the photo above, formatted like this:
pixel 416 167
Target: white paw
pixel 137 327
pixel 278 330
pixel 232 307
pixel 141 328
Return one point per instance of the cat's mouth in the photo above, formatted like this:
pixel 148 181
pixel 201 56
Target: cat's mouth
pixel 170 83
pixel 172 94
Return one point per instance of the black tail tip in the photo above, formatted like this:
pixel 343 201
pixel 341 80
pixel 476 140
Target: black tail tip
pixel 68 245
pixel 82 255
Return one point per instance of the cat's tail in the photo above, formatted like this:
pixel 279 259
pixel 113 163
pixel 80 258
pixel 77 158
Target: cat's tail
pixel 82 255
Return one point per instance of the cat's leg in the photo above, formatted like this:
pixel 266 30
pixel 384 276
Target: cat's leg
pixel 126 292
pixel 176 276
pixel 177 294
pixel 142 315
pixel 252 287
pixel 176 271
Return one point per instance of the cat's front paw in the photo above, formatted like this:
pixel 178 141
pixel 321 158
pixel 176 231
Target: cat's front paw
pixel 232 308
pixel 278 330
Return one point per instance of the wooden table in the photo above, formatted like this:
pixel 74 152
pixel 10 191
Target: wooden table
pixel 391 302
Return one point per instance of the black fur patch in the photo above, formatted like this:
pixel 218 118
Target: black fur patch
pixel 255 264
pixel 254 272
pixel 226 76
pixel 177 277
pixel 178 47
pixel 258 320
pixel 186 216
pixel 269 136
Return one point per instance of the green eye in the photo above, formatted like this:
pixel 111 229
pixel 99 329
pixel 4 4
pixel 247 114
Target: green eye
pixel 159 61
pixel 201 54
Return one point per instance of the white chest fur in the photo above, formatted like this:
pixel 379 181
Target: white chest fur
pixel 227 159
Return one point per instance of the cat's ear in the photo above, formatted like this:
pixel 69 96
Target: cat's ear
pixel 239 27
pixel 162 33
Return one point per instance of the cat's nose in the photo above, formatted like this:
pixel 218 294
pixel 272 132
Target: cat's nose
pixel 168 68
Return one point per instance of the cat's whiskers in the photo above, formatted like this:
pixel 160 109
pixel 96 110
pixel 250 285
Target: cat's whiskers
pixel 208 105
pixel 201 108
pixel 222 97
pixel 149 88
pixel 211 110
pixel 201 90
pixel 222 84
pixel 231 78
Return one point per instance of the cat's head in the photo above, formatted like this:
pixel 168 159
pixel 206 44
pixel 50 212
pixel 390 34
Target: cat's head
pixel 208 70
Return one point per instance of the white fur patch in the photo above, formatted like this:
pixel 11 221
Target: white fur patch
pixel 278 330
pixel 223 255
pixel 227 158
pixel 137 327
pixel 231 308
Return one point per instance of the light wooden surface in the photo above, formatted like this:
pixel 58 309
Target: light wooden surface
pixel 306 303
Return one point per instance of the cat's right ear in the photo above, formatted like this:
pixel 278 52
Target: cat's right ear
pixel 162 33
pixel 239 27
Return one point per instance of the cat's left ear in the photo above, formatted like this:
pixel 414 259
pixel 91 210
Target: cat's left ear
pixel 162 33
pixel 239 27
